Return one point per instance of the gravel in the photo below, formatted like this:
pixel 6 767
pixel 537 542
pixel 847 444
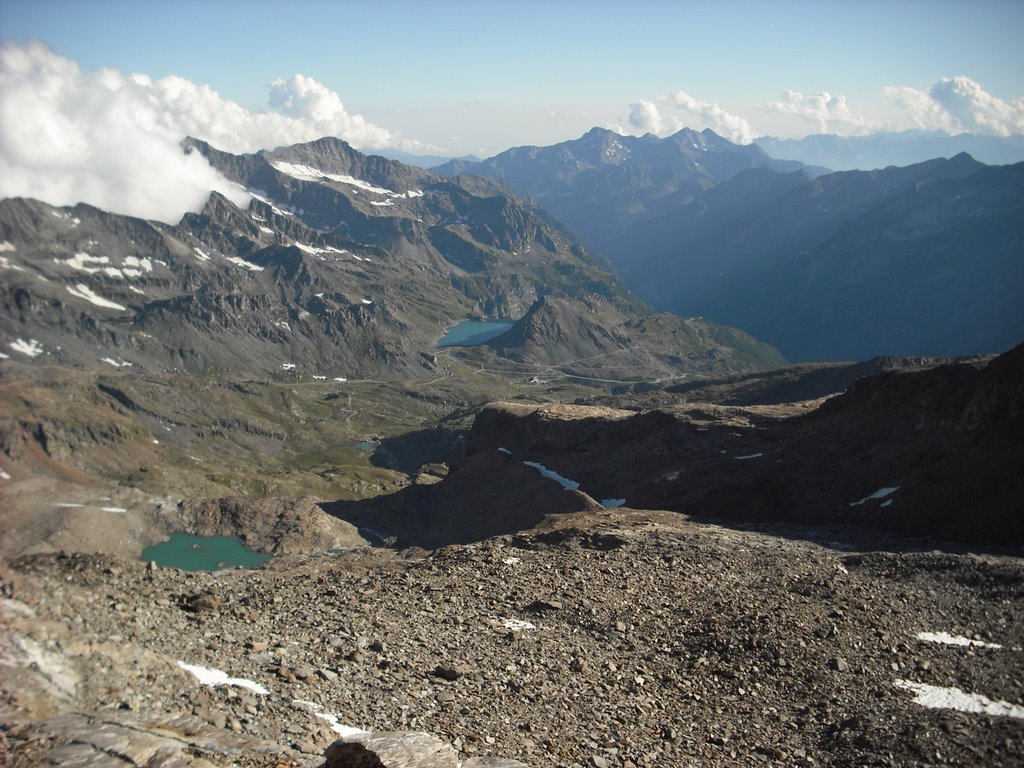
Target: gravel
pixel 636 639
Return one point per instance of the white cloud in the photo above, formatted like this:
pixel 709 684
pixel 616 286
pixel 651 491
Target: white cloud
pixel 668 114
pixel 113 140
pixel 956 105
pixel 712 116
pixel 645 117
pixel 822 112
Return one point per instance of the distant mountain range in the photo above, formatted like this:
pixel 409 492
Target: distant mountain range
pixel 880 150
pixel 922 260
pixel 420 161
pixel 342 265
pixel 600 183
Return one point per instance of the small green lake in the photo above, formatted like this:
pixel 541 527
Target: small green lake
pixel 472 332
pixel 203 553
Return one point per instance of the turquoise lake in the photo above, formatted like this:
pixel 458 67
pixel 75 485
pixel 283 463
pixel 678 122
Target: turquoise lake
pixel 472 332
pixel 203 553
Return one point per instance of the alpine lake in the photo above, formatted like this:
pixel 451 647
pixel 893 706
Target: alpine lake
pixel 469 333
pixel 203 553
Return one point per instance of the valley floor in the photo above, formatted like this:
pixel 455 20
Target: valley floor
pixel 610 638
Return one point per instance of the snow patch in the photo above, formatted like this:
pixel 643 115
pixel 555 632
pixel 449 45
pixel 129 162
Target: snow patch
pixel 749 456
pixel 83 291
pixel 567 484
pixel 85 262
pixel 308 173
pixel 4 475
pixel 6 263
pixel 239 261
pixel 200 254
pixel 268 230
pixel 947 639
pixel 345 731
pixel 134 262
pixel 214 677
pixel 340 378
pixel 116 510
pixel 32 348
pixel 381 202
pixel 288 366
pixel 517 625
pixel 512 561
pixel 68 505
pixel 367 302
pixel 6 246
pixel 936 697
pixel 115 363
pixel 881 493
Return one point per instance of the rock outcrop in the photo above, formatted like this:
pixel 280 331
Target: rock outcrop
pixel 404 750
pixel 273 525
pixel 486 494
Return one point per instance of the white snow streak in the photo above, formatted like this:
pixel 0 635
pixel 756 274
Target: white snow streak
pixel 213 677
pixel 749 456
pixel 345 731
pixel 239 261
pixel 83 291
pixel 936 697
pixel 947 639
pixel 881 493
pixel 567 484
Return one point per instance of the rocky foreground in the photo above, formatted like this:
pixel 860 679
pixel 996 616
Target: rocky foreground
pixel 599 638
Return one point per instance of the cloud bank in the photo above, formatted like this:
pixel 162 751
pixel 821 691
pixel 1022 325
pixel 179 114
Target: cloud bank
pixel 821 113
pixel 959 105
pixel 113 140
pixel 953 104
pixel 668 114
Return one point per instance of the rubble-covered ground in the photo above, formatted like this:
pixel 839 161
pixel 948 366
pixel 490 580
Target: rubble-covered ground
pixel 610 638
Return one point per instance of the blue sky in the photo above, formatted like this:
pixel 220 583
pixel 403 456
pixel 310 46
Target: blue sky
pixel 481 76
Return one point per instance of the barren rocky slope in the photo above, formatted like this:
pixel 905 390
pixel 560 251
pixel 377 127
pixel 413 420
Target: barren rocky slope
pixel 932 452
pixel 605 638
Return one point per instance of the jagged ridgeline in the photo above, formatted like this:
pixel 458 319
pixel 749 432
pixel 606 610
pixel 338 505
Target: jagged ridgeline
pixel 342 265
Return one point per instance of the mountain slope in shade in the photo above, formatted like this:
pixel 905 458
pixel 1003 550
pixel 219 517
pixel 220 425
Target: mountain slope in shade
pixel 923 260
pixel 932 452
